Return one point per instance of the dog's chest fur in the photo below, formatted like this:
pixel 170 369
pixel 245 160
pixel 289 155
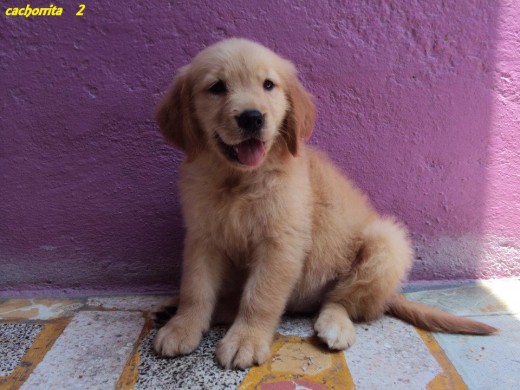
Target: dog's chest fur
pixel 236 213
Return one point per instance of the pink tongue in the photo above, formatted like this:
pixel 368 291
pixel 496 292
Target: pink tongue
pixel 250 152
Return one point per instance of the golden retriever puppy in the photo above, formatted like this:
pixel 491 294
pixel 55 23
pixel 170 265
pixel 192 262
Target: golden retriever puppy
pixel 271 224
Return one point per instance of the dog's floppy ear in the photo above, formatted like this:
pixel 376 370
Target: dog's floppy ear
pixel 176 119
pixel 299 121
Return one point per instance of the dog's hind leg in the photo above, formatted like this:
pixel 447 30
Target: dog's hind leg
pixel 362 294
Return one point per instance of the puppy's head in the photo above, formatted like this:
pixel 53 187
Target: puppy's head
pixel 236 99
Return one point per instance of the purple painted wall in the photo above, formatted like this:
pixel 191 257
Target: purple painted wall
pixel 417 101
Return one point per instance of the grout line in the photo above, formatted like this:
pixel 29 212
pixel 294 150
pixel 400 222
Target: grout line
pixel 449 378
pixel 42 344
pixel 130 373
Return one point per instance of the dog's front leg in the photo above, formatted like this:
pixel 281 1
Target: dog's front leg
pixel 201 279
pixel 274 271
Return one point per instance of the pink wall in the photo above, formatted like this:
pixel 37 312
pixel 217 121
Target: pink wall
pixel 417 101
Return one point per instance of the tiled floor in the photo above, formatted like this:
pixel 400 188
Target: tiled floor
pixel 105 343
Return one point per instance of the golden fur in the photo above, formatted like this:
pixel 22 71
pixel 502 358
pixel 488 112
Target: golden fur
pixel 289 234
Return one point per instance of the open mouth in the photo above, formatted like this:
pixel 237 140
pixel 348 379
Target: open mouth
pixel 250 152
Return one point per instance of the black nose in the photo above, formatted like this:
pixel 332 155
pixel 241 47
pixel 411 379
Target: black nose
pixel 250 120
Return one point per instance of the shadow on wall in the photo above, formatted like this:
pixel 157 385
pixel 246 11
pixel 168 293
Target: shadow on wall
pixel 89 200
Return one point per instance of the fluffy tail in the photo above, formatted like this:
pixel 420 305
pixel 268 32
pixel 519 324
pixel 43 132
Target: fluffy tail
pixel 435 320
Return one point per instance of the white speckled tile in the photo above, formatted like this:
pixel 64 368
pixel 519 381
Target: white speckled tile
pixel 135 302
pixel 15 340
pixel 389 354
pixel 90 353
pixel 487 362
pixel 198 370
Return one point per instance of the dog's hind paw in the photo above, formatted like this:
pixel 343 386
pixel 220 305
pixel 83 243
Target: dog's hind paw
pixel 335 328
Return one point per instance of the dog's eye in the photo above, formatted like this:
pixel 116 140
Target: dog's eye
pixel 268 85
pixel 218 88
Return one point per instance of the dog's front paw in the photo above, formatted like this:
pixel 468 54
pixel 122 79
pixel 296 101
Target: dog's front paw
pixel 335 329
pixel 242 349
pixel 176 338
